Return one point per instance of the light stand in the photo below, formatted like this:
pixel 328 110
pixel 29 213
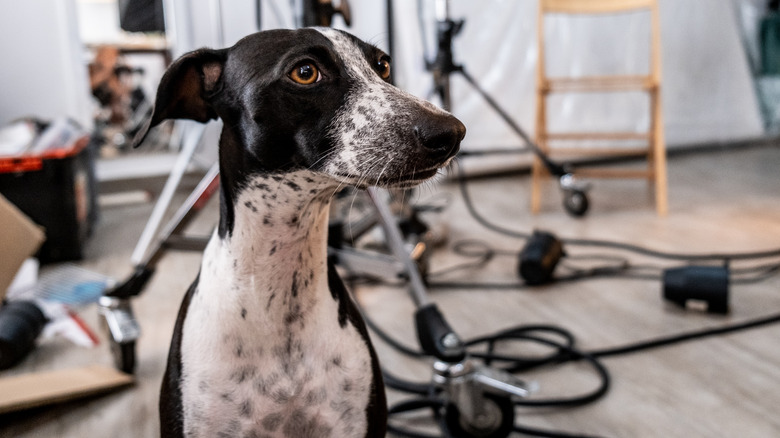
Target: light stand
pixel 575 199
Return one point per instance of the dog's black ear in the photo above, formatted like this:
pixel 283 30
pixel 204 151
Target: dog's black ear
pixel 186 89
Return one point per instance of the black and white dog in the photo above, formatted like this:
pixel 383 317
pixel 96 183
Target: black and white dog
pixel 268 343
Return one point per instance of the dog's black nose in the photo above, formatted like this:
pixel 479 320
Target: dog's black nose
pixel 440 135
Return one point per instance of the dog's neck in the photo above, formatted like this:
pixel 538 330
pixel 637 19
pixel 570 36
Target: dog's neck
pixel 276 252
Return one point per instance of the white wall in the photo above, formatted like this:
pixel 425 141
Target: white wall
pixel 44 72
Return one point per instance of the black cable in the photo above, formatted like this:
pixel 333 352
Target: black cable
pixel 532 431
pixel 484 255
pixel 474 213
pixel 389 340
pixel 405 385
pixel 684 337
pixel 410 405
pixel 674 256
pixel 565 352
pixel 605 243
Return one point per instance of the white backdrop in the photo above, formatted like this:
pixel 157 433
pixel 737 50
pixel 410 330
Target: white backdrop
pixel 708 94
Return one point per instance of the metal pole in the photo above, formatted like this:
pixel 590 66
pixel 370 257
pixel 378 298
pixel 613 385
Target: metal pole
pixel 194 134
pixel 396 243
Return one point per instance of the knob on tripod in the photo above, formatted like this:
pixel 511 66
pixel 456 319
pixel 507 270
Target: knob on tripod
pixel 321 12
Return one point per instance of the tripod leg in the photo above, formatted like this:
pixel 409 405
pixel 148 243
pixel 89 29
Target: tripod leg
pixel 186 213
pixel 396 244
pixel 553 167
pixel 191 141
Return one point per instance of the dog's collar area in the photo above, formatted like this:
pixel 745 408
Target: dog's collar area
pixel 281 206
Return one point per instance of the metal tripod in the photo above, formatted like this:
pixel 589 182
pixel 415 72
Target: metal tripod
pixel 575 199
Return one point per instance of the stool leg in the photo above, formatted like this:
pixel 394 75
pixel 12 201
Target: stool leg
pixel 659 155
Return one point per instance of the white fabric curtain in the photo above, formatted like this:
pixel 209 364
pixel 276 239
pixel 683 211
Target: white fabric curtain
pixel 708 92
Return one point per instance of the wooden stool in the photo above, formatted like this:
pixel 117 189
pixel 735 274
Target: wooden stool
pixel 650 83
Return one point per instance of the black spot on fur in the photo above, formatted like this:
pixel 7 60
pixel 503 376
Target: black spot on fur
pixel 239 350
pixel 277 178
pixel 267 220
pixel 271 298
pixel 271 422
pixel 262 386
pixel 262 186
pixel 293 186
pixel 243 313
pixel 241 375
pixel 316 396
pixel 246 408
pixel 281 396
pixel 300 425
pixel 250 206
pixel 294 287
pixel 230 430
pixel 273 251
pixel 294 315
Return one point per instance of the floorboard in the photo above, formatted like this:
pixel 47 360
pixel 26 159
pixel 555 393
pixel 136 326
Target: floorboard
pixel 720 201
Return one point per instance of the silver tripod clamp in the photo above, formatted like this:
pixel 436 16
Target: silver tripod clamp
pixel 570 182
pixel 479 398
pixel 123 329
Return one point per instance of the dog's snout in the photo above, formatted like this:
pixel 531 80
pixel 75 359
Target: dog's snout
pixel 440 135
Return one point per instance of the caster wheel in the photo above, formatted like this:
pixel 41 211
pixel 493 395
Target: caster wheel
pixel 498 421
pixel 124 356
pixel 575 202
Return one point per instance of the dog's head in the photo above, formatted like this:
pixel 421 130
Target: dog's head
pixel 316 99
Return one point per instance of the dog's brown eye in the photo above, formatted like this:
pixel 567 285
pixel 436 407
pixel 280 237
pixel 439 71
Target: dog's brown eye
pixel 305 74
pixel 383 68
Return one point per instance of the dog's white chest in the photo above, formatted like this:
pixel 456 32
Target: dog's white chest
pixel 242 375
pixel 263 352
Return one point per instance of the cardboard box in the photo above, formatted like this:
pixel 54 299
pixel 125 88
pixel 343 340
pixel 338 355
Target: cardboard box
pixel 20 238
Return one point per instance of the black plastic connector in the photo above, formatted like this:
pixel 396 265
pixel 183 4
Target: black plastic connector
pixel 708 284
pixel 539 257
pixel 436 336
pixel 134 285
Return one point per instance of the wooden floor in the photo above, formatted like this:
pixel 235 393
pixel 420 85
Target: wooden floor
pixel 728 386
